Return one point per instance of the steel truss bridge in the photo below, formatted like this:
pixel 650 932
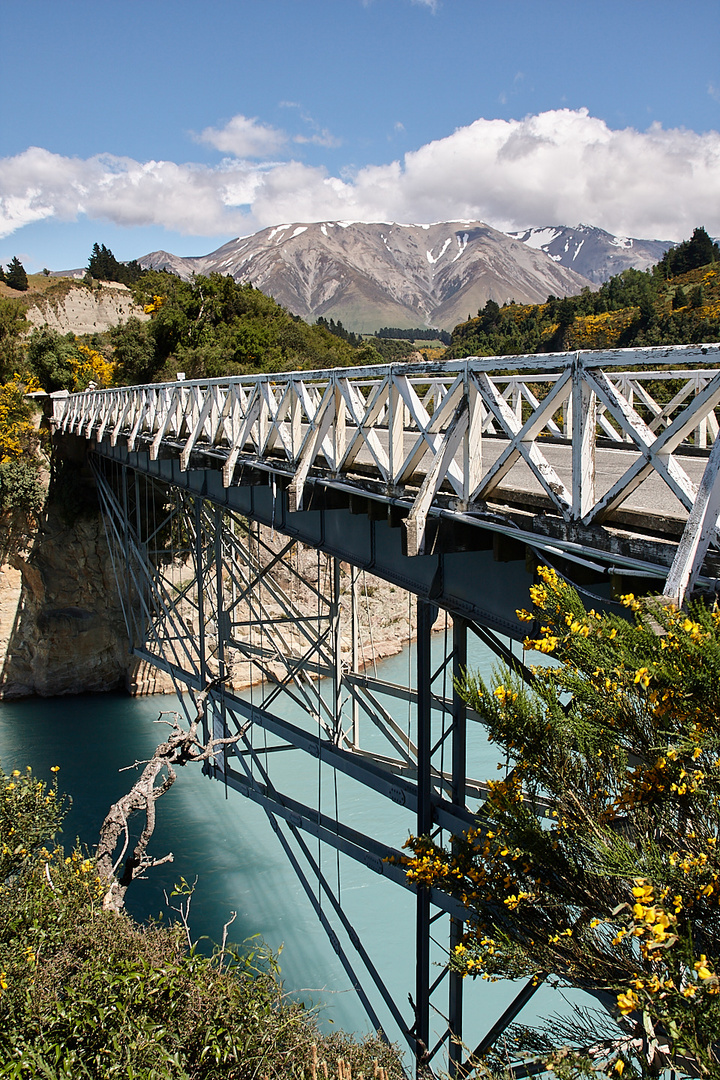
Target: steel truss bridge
pixel 245 514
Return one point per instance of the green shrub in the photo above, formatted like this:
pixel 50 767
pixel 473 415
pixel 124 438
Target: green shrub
pixel 88 994
pixel 21 489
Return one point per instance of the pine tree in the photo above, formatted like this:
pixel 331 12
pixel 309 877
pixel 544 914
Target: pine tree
pixel 103 266
pixel 15 275
pixel 699 250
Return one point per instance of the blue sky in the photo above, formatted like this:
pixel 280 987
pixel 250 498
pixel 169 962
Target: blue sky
pixel 182 124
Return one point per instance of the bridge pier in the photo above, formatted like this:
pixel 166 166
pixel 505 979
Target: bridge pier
pixel 209 585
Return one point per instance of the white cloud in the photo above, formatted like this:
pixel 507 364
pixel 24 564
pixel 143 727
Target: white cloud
pixel 557 168
pixel 321 137
pixel 244 137
pixel 191 199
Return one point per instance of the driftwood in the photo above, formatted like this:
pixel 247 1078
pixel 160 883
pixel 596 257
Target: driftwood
pixel 157 777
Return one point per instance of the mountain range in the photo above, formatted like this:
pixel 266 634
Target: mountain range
pixel 369 275
pixel 595 254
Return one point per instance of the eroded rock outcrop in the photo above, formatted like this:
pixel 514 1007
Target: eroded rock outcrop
pixel 61 626
pixel 82 309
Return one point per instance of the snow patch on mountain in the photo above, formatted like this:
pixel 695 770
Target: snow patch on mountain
pixel 592 252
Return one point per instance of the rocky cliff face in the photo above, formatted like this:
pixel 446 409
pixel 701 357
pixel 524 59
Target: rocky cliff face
pixel 81 309
pixel 61 626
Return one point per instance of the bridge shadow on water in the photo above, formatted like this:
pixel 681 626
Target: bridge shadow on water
pixel 226 842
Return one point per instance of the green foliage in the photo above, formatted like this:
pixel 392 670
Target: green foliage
pixel 339 330
pixel 21 487
pixel 393 349
pixel 12 325
pixel 63 362
pixel 49 357
pixel 595 859
pixel 89 995
pixel 631 309
pixel 698 251
pixel 133 346
pixel 419 333
pixel 103 266
pixel 15 276
pixel 211 326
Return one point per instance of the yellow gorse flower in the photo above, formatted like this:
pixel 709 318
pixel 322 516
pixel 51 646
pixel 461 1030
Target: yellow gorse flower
pixel 703 971
pixel 627 1002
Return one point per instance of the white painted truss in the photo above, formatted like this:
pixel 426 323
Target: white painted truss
pixel 458 428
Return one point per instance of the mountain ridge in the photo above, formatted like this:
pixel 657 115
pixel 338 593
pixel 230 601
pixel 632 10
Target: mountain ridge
pixel 593 252
pixel 369 275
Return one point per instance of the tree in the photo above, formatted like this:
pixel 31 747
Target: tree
pixel 698 251
pixel 103 266
pixel 594 861
pixel 12 325
pixel 15 275
pixel 49 357
pixel 158 776
pixel 133 352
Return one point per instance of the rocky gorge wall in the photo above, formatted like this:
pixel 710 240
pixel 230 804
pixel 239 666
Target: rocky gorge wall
pixel 82 309
pixel 61 625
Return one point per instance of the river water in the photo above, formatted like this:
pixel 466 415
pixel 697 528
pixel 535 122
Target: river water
pixel 226 842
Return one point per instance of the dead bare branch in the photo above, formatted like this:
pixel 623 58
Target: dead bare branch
pixel 158 776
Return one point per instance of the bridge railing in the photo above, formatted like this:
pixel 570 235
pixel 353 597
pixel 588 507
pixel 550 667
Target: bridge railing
pixel 459 426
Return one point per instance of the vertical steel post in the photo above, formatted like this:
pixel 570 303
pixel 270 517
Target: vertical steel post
pixel 222 627
pixel 459 755
pixel 200 581
pixel 126 546
pixel 354 658
pixel 425 618
pixel 142 549
pixel 334 614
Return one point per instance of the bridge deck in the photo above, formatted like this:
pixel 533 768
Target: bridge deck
pixel 591 438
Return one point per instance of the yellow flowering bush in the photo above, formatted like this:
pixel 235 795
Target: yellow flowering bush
pixel 155 304
pixel 90 366
pixel 22 493
pixel 17 431
pixel 594 861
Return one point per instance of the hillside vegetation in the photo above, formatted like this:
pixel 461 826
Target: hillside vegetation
pixel 211 326
pixel 675 303
pixel 206 328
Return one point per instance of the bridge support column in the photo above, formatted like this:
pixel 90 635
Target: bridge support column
pixel 354 658
pixel 221 621
pixel 459 755
pixel 336 654
pixel 426 613
pixel 200 577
